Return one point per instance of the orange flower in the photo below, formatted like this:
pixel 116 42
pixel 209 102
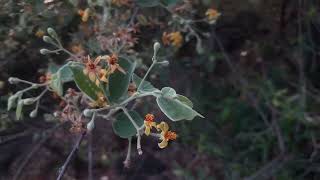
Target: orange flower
pixel 84 14
pixel 113 64
pixel 212 15
pixel 174 38
pixel 39 33
pixel 149 123
pixel 165 134
pixel 100 102
pixel 92 68
pixel 103 76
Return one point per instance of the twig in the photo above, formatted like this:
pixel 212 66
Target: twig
pixel 90 165
pixel 63 168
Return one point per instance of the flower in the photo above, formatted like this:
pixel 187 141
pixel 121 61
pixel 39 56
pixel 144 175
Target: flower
pixel 39 33
pixel 165 134
pixel 92 68
pixel 100 102
pixel 84 14
pixel 212 15
pixel 102 76
pixel 174 38
pixel 113 64
pixel 149 123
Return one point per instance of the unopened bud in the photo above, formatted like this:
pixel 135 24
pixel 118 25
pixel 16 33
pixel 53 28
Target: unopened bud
pixel 13 80
pixel 33 113
pixel 56 114
pixel 164 63
pixel 52 32
pixel 48 39
pixel 156 47
pixel 28 101
pixel 45 51
pixel 90 125
pixel 87 113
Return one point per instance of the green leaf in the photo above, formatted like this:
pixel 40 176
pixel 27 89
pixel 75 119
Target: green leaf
pixel 123 127
pixel 169 2
pixel 168 92
pixel 58 77
pixel 119 82
pixel 148 3
pixel 84 83
pixel 19 109
pixel 184 100
pixel 56 84
pixel 146 86
pixel 175 109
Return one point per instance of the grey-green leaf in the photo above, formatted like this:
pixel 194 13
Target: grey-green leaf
pixel 146 86
pixel 19 110
pixel 184 100
pixel 168 92
pixel 119 82
pixel 84 83
pixel 148 3
pixel 123 127
pixel 176 110
pixel 56 84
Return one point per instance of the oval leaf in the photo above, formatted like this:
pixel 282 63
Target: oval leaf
pixel 176 110
pixel 168 92
pixel 123 127
pixel 84 83
pixel 119 82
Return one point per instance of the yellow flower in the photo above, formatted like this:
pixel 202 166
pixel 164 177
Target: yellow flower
pixel 174 38
pixel 39 33
pixel 102 76
pixel 92 68
pixel 165 134
pixel 84 14
pixel 113 64
pixel 100 102
pixel 212 14
pixel 149 123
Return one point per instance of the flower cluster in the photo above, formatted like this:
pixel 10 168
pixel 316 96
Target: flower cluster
pixel 165 135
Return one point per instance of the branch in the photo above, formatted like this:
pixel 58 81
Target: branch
pixel 63 168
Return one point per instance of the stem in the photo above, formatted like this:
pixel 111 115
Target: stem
pixel 126 162
pixel 90 165
pixel 147 73
pixel 67 162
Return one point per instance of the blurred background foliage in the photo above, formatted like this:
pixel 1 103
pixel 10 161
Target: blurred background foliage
pixel 255 79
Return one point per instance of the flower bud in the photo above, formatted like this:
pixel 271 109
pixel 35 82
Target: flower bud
pixel 11 101
pixel 52 32
pixel 13 80
pixel 90 125
pixel 56 114
pixel 45 51
pixel 48 39
pixel 156 47
pixel 87 113
pixel 33 113
pixel 28 101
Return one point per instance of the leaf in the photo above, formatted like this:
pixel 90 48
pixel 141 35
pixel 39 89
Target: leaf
pixel 119 82
pixel 84 83
pixel 168 92
pixel 12 101
pixel 56 84
pixel 19 109
pixel 175 109
pixel 148 3
pixel 184 100
pixel 58 77
pixel 123 127
pixel 169 2
pixel 146 86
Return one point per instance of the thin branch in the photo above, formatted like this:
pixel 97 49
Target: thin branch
pixel 63 168
pixel 90 164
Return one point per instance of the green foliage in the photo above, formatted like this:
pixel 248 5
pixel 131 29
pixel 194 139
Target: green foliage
pixel 123 127
pixel 119 82
pixel 84 83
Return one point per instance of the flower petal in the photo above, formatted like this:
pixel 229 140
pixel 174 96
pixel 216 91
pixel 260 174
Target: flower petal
pixel 92 76
pixel 163 144
pixel 163 126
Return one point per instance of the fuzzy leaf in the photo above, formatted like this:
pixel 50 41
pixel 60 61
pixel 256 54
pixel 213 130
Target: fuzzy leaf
pixel 19 109
pixel 184 100
pixel 168 92
pixel 123 127
pixel 119 82
pixel 148 3
pixel 175 109
pixel 84 83
pixel 56 84
pixel 146 86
